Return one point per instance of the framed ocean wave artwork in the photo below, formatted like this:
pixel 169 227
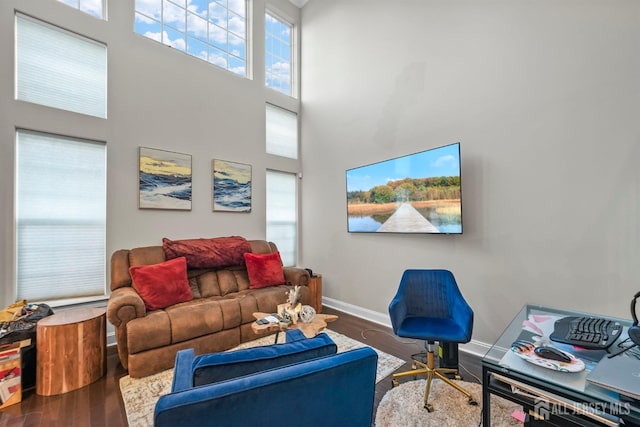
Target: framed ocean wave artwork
pixel 164 179
pixel 231 186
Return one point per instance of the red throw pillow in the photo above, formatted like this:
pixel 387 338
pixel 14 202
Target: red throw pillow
pixel 218 252
pixel 162 285
pixel 264 269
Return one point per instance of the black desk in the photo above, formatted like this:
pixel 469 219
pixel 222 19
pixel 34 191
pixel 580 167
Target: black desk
pixel 551 397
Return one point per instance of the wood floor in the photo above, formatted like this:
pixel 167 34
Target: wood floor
pixel 100 404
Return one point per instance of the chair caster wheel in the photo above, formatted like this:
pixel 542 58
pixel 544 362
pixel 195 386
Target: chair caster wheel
pixel 428 407
pixel 473 402
pixel 457 377
pixel 394 383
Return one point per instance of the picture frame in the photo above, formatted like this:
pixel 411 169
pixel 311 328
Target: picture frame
pixel 164 179
pixel 231 184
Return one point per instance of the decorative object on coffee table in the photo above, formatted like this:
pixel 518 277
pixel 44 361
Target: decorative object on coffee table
pixel 293 296
pixel 307 313
pixel 290 311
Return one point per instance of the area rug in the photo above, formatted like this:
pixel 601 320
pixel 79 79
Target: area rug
pixel 141 394
pixel 403 406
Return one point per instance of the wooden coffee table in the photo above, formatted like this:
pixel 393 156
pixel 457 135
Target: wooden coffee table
pixel 309 329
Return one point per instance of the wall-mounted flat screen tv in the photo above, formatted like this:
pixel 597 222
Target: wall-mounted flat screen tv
pixel 416 193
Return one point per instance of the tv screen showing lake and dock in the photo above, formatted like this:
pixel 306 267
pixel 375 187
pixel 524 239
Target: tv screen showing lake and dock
pixel 416 193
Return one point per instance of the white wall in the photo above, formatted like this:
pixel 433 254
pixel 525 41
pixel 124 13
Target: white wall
pixel 157 98
pixel 543 96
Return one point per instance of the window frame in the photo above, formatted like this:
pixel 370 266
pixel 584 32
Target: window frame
pixel 293 52
pixel 77 6
pixel 289 103
pixel 211 47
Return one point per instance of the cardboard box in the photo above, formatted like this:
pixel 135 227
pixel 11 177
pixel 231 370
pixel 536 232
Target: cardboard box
pixel 10 374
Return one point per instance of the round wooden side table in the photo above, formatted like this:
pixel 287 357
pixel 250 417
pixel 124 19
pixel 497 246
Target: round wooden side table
pixel 71 350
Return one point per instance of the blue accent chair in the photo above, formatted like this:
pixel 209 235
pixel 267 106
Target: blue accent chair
pixel 429 306
pixel 300 382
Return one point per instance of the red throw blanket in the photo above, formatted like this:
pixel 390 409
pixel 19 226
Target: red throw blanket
pixel 218 252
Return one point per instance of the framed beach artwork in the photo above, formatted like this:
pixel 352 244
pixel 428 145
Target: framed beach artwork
pixel 231 186
pixel 164 179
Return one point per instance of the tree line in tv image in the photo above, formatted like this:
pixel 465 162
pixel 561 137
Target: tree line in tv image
pixel 424 203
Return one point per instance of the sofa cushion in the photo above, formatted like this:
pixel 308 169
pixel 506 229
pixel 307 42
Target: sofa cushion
pixel 210 368
pixel 218 252
pixel 161 285
pixel 202 317
pixel 149 332
pixel 264 270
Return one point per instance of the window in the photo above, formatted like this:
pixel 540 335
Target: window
pixel 282 216
pixel 282 132
pixel 215 31
pixel 75 68
pixel 278 48
pixel 92 7
pixel 60 217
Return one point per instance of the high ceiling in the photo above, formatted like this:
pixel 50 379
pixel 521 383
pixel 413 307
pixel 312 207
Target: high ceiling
pixel 299 3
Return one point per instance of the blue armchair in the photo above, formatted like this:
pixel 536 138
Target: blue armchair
pixel 302 381
pixel 429 306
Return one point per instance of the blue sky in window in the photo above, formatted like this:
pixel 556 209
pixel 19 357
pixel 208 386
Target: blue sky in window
pixel 92 7
pixel 214 31
pixel 278 54
pixel 442 161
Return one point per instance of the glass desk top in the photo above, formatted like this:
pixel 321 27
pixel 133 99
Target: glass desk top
pixel 532 320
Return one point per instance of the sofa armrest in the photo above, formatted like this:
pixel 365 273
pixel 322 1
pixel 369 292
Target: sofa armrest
pixel 324 391
pixel 296 276
pixel 182 378
pixel 397 311
pixel 124 304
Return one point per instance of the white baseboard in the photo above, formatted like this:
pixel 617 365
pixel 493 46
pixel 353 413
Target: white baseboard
pixel 476 348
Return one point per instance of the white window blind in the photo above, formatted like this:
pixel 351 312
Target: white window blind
pixel 60 69
pixel 282 214
pixel 282 132
pixel 61 217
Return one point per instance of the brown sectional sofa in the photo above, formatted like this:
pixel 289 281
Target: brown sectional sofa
pixel 218 318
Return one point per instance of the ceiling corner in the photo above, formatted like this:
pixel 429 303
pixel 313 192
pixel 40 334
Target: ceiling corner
pixel 299 3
